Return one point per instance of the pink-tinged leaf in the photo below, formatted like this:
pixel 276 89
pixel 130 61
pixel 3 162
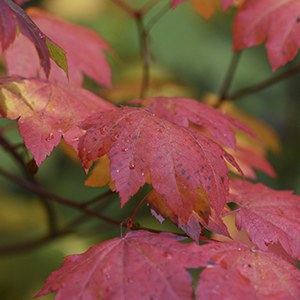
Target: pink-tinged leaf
pixel 174 3
pixel 161 210
pixel 181 163
pixel 46 112
pixel 141 265
pixel 273 21
pixel 234 271
pixel 84 50
pixel 13 17
pixel 267 215
pixel 251 159
pixel 207 8
pixel 184 112
pixel 21 1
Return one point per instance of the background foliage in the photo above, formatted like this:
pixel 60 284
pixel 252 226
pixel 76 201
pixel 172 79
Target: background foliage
pixel 191 56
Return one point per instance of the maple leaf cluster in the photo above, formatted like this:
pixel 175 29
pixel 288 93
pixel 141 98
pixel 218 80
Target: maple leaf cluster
pixel 183 148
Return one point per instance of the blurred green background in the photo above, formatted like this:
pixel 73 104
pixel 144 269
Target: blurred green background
pixel 190 58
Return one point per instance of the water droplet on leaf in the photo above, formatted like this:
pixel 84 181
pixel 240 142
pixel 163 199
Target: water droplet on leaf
pixel 168 255
pixel 114 137
pixel 131 165
pixel 103 130
pixel 50 137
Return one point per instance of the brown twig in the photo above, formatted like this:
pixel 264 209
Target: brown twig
pixel 223 94
pixel 145 56
pixel 59 199
pixel 266 83
pixel 148 6
pixel 126 8
pixel 25 170
pixel 29 245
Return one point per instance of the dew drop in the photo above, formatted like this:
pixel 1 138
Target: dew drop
pixel 75 139
pixel 117 171
pixel 103 130
pixel 168 255
pixel 253 249
pixel 143 174
pixel 50 137
pixel 125 149
pixel 114 137
pixel 129 280
pixel 131 165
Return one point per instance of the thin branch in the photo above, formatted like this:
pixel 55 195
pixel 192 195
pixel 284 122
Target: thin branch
pixel 30 245
pixel 148 6
pixel 62 200
pixel 266 83
pixel 144 48
pixel 157 17
pixel 98 198
pixel 229 76
pixel 144 36
pixel 126 8
pixel 23 166
pixel 17 157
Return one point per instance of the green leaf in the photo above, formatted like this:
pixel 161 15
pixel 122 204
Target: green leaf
pixel 58 55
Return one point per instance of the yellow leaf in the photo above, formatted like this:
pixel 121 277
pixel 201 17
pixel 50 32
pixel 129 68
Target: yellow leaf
pixel 100 175
pixel 206 8
pixel 268 138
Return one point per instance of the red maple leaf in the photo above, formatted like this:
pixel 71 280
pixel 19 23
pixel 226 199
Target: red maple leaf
pixel 182 164
pixel 273 21
pixel 174 3
pixel 267 215
pixel 251 159
pixel 161 210
pixel 185 111
pixel 84 50
pixel 13 17
pixel 141 265
pixel 235 271
pixel 46 112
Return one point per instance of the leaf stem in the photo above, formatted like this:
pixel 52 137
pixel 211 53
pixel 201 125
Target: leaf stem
pixel 265 83
pixel 235 59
